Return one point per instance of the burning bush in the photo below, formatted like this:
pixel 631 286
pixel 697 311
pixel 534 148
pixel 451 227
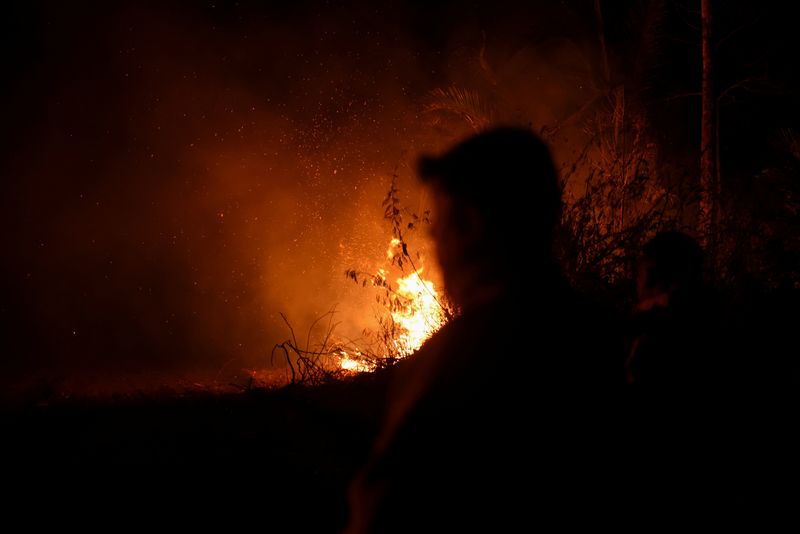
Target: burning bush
pixel 412 311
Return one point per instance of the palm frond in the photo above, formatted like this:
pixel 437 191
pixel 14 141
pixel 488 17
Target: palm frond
pixel 463 103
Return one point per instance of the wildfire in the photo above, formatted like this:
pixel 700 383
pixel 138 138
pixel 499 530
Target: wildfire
pixel 416 313
pixel 349 364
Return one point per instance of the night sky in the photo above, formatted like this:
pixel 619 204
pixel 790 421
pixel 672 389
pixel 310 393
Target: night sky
pixel 176 174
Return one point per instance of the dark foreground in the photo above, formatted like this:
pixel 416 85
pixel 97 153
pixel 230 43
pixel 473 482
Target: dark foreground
pixel 281 460
pixel 263 458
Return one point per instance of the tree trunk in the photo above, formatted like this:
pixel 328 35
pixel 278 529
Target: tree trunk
pixel 708 143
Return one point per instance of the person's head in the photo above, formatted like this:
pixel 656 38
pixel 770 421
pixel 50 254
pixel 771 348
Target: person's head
pixel 496 201
pixel 670 262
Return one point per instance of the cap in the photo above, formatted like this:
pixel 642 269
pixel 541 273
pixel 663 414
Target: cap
pixel 499 169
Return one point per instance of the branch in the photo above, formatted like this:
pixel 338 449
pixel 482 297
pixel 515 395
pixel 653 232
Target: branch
pixel 282 346
pixel 285 320
pixel 741 84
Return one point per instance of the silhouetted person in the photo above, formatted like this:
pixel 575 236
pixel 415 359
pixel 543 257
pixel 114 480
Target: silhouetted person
pixel 502 418
pixel 676 343
pixel 685 425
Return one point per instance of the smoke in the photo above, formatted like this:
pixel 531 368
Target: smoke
pixel 177 176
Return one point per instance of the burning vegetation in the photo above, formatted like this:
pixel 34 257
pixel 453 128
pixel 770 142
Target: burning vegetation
pixel 410 310
pixel 414 314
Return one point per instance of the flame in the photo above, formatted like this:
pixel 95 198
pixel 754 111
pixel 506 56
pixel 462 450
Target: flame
pixel 391 252
pixel 416 313
pixel 357 366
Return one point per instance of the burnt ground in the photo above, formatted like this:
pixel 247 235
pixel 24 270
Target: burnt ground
pixel 260 457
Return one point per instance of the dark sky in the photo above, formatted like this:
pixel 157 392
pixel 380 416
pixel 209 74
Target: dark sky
pixel 175 174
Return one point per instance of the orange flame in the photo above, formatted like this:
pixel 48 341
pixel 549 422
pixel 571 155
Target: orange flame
pixel 391 252
pixel 419 315
pixel 416 312
pixel 349 364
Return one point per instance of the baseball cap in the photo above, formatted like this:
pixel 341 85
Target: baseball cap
pixel 498 169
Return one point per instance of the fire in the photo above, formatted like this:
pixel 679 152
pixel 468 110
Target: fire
pixel 416 314
pixel 349 364
pixel 394 244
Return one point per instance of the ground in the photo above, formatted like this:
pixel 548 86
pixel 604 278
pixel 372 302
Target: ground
pixel 260 454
